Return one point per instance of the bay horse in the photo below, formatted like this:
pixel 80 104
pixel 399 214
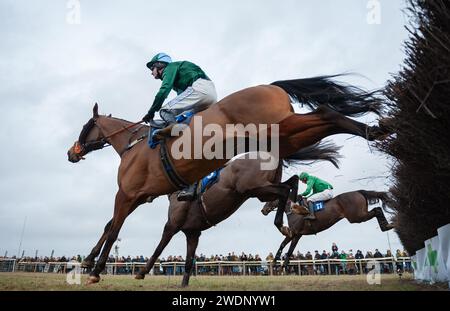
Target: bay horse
pixel 354 206
pixel 239 180
pixel 141 173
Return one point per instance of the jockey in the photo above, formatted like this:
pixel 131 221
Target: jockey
pixel 321 191
pixel 195 92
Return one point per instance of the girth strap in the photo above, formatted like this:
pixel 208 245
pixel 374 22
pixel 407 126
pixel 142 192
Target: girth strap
pixel 169 169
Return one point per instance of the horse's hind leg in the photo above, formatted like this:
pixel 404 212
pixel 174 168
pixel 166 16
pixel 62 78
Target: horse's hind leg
pixel 302 130
pixel 382 221
pixel 168 233
pixel 192 238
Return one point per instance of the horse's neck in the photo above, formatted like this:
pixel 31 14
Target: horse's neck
pixel 119 141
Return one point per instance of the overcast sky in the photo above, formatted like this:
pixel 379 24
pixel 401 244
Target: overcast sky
pixel 53 71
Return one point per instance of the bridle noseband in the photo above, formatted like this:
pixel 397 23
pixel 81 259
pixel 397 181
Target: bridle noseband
pixel 81 147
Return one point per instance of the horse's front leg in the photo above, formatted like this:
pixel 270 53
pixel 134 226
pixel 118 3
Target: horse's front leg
pixel 291 249
pixel 280 249
pixel 122 208
pixel 267 193
pixel 89 261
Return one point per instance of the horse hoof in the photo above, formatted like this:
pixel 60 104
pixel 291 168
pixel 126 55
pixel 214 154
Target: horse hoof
pixel 92 279
pixel 139 276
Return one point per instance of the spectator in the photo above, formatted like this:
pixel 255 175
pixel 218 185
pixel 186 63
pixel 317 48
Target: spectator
pixel 334 248
pixel 334 266
pixel 309 267
pixel 351 267
pixel 390 265
pixel 324 267
pixel 377 254
pixel 343 258
pixel 360 264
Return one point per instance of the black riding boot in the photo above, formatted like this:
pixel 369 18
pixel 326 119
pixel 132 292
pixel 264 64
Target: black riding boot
pixel 311 215
pixel 187 194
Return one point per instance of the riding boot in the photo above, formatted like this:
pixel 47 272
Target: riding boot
pixel 311 215
pixel 187 194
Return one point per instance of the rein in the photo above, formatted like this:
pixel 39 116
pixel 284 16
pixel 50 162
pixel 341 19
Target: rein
pixel 122 129
pixel 101 143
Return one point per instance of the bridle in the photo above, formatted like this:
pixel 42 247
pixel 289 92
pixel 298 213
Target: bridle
pixel 81 147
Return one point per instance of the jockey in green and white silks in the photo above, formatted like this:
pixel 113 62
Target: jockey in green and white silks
pixel 196 92
pixel 316 190
pixel 194 89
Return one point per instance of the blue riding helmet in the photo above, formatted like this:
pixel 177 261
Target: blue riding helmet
pixel 159 58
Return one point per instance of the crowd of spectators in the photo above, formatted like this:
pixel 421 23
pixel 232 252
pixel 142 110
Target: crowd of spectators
pixel 255 264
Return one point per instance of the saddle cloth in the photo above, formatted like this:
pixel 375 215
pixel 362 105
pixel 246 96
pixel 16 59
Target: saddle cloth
pixel 209 180
pixel 182 118
pixel 319 205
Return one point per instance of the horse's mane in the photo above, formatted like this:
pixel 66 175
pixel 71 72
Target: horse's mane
pixel 85 131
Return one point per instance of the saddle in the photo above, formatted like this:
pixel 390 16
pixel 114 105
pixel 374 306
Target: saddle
pixel 317 206
pixel 160 129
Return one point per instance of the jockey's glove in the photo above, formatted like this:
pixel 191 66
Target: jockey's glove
pixel 148 117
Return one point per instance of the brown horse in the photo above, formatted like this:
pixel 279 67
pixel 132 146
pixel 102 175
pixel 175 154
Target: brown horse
pixel 239 180
pixel 354 206
pixel 141 173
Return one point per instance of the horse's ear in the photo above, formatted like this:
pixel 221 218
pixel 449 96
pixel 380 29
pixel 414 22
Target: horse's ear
pixel 110 115
pixel 95 111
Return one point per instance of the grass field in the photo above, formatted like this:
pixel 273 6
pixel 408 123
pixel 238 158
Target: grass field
pixel 48 281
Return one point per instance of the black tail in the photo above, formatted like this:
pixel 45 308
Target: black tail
pixel 373 197
pixel 324 151
pixel 343 98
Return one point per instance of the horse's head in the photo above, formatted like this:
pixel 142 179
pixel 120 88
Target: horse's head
pixel 91 138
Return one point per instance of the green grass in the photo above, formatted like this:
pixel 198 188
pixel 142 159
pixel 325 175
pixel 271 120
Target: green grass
pixel 49 281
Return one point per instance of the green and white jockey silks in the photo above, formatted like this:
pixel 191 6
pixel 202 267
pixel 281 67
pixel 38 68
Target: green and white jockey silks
pixel 195 90
pixel 316 188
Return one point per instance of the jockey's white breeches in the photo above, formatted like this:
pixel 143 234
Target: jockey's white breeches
pixel 322 196
pixel 201 93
